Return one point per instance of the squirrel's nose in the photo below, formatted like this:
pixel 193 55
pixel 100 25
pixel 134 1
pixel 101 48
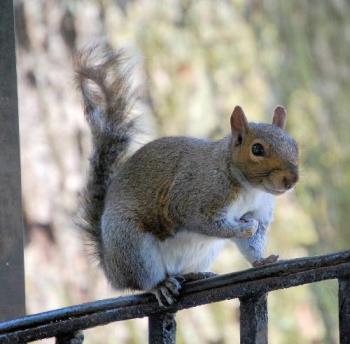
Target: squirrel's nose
pixel 289 181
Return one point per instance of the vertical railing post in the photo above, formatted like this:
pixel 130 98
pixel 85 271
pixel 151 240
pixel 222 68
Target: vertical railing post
pixel 70 338
pixel 344 310
pixel 254 319
pixel 162 328
pixel 11 225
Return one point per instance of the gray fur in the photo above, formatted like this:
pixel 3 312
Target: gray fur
pixel 170 207
pixel 107 103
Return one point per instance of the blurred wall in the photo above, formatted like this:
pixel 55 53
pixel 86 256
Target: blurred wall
pixel 197 60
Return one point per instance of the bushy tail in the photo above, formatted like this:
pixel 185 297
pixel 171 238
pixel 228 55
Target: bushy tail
pixel 104 83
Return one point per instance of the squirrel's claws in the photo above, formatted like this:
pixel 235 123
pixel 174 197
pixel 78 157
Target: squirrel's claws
pixel 247 229
pixel 168 295
pixel 163 296
pixel 167 291
pixel 174 285
pixel 273 258
pixel 247 216
pixel 157 293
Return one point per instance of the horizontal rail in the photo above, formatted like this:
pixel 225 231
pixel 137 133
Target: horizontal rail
pixel 283 274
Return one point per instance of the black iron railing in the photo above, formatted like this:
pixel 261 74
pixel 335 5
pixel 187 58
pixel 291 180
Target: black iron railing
pixel 11 229
pixel 250 286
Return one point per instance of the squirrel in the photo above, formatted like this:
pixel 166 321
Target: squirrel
pixel 160 216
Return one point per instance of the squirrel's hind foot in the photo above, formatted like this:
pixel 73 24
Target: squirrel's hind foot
pixel 167 291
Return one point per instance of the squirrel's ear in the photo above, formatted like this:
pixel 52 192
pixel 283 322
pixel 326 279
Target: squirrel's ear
pixel 279 117
pixel 239 123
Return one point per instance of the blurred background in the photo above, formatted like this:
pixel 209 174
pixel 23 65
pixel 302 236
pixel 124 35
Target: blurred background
pixel 196 60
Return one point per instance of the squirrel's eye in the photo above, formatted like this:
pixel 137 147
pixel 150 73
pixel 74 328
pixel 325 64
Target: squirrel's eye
pixel 258 149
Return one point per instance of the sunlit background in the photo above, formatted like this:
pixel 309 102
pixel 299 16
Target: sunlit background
pixel 196 60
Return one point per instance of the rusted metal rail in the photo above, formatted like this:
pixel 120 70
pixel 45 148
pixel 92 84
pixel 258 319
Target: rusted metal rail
pixel 250 286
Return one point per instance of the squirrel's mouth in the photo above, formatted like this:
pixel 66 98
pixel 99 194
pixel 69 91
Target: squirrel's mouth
pixel 273 190
pixel 279 182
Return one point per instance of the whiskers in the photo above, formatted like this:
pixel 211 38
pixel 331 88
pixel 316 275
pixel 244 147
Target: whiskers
pixel 302 172
pixel 261 174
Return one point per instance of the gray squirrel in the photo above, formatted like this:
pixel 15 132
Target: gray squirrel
pixel 161 216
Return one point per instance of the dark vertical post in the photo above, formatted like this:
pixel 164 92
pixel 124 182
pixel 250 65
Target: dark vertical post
pixel 254 319
pixel 344 310
pixel 70 338
pixel 11 226
pixel 162 328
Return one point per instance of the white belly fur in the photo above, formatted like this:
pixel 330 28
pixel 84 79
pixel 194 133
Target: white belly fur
pixel 193 252
pixel 189 252
pixel 259 202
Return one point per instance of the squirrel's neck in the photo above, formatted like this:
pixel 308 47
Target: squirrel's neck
pixel 224 156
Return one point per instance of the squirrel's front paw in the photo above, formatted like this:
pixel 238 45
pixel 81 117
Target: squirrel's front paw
pixel 273 258
pixel 247 228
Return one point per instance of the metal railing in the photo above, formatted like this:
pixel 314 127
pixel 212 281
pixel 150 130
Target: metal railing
pixel 250 286
pixel 11 228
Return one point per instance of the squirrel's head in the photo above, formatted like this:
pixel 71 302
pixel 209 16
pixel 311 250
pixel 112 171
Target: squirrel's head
pixel 264 153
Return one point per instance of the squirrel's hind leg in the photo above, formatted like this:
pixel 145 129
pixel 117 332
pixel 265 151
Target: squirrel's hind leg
pixel 168 290
pixel 132 260
pixel 131 257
